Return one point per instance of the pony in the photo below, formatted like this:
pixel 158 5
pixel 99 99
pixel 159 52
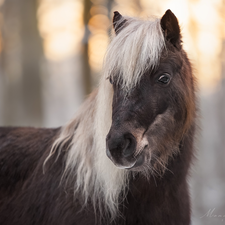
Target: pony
pixel 125 156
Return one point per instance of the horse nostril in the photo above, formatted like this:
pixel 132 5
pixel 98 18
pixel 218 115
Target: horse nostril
pixel 120 146
pixel 127 148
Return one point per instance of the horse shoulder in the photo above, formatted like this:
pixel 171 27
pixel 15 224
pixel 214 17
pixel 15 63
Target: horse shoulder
pixel 21 149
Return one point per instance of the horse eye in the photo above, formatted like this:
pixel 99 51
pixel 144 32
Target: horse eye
pixel 164 79
pixel 110 80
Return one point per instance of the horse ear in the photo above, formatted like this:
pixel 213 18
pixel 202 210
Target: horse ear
pixel 171 28
pixel 118 22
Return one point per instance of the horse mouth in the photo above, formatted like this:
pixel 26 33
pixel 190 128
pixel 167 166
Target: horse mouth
pixel 139 161
pixel 129 164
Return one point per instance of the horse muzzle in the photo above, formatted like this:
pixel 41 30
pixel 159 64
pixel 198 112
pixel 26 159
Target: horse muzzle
pixel 121 149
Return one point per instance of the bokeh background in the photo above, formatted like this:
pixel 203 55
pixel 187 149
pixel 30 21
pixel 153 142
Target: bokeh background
pixel 51 54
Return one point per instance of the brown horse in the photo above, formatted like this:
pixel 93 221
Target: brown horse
pixel 124 158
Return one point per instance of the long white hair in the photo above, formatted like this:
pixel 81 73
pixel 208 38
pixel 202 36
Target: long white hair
pixel 136 48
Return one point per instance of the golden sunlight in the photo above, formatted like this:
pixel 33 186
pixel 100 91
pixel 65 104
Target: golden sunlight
pixel 61 27
pixel 201 31
pixel 208 40
pixel 98 44
pixel 98 41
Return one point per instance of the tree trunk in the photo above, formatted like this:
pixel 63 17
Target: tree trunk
pixel 31 56
pixel 20 62
pixel 86 67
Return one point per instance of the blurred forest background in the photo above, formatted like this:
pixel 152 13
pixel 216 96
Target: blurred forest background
pixel 51 53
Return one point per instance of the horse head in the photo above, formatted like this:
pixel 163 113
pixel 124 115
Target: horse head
pixel 153 92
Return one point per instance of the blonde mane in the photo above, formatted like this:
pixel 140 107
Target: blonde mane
pixel 135 49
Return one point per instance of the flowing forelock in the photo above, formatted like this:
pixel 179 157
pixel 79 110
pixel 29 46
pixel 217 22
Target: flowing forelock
pixel 136 49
